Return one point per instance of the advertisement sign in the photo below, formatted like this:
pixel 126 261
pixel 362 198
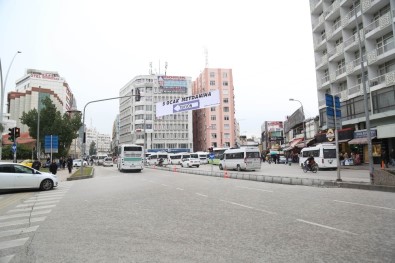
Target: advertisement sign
pixel 173 84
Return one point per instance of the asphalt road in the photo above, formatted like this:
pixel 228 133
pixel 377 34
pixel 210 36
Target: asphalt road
pixel 160 216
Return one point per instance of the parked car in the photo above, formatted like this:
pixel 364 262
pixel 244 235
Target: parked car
pixel 78 162
pixel 27 162
pixel 282 159
pixel 190 162
pixel 108 161
pixel 18 176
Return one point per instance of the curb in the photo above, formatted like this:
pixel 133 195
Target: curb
pixel 73 178
pixel 281 179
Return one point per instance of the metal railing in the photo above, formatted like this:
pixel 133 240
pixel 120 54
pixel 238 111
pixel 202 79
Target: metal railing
pixel 386 47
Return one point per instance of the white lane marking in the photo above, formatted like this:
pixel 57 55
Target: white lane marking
pixel 25 214
pixel 13 243
pixel 180 189
pixel 22 221
pixel 50 195
pixel 249 207
pixel 382 207
pixel 258 189
pixel 327 227
pixel 6 259
pixel 30 208
pixel 38 203
pixel 33 200
pixel 18 231
pixel 201 194
pixel 164 184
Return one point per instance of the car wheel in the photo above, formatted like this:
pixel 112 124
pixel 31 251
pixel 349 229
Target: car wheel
pixel 182 165
pixel 188 165
pixel 46 185
pixel 238 168
pixel 220 167
pixel 197 166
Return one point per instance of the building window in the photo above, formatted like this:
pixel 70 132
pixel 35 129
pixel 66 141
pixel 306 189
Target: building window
pixel 212 74
pixel 226 135
pixel 225 92
pixel 226 126
pixel 212 82
pixel 213 136
pixel 213 117
pixel 226 118
pixel 226 109
pixel 212 108
pixel 224 75
pixel 225 83
pixel 213 126
pixel 225 100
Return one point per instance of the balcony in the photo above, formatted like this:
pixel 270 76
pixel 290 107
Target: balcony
pixel 350 16
pixel 384 80
pixel 352 43
pixel 367 4
pixel 319 22
pixel 381 23
pixel 375 56
pixel 334 8
pixel 340 71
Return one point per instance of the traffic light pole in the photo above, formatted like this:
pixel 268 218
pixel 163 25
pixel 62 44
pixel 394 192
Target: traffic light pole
pixel 14 144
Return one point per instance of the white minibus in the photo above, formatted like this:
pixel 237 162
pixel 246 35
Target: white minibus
pixel 245 158
pixel 324 155
pixel 177 157
pixel 153 159
pixel 202 156
pixel 130 157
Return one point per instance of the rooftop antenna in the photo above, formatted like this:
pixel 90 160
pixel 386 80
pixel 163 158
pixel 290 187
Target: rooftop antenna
pixel 159 66
pixel 206 56
pixel 165 67
pixel 150 68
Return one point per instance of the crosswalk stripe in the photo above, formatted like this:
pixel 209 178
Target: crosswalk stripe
pixel 22 221
pixel 33 208
pixel 25 214
pixel 6 259
pixel 50 194
pixel 38 203
pixel 13 243
pixel 18 231
pixel 34 200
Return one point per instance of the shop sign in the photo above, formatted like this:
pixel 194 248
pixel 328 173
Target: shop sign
pixel 330 135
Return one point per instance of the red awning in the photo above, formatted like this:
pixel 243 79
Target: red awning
pixel 295 141
pixel 360 141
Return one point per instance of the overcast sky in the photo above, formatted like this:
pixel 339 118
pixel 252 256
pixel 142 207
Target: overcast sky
pixel 98 46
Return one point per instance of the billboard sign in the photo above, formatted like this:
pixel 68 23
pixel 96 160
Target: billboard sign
pixel 172 84
pixel 193 102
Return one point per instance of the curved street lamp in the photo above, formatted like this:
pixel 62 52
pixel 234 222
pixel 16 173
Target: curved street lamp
pixel 304 128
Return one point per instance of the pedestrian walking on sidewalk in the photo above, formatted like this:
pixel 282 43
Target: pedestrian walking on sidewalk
pixel 53 167
pixel 392 157
pixel 69 164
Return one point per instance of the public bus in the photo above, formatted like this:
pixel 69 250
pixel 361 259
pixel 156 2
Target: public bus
pixel 130 157
pixel 324 155
pixel 202 156
pixel 153 159
pixel 244 158
pixel 218 152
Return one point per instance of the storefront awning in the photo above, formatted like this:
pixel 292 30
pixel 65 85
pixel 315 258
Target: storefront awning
pixel 360 141
pixel 341 141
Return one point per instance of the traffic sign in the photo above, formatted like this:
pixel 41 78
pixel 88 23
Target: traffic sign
pixel 193 102
pixel 13 148
pixel 211 156
pixel 51 143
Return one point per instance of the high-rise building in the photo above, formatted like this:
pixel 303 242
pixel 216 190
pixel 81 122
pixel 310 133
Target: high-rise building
pixel 215 126
pixel 138 123
pixel 34 86
pixel 342 30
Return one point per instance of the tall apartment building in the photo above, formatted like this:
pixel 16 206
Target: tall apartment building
pixel 32 88
pixel 215 126
pixel 337 45
pixel 138 123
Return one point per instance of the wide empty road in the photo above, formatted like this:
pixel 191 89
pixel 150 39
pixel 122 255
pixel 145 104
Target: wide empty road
pixel 160 216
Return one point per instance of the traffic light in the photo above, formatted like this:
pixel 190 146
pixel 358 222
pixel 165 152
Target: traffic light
pixel 17 132
pixel 137 96
pixel 210 149
pixel 11 134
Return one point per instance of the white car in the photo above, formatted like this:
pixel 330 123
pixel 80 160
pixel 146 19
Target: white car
pixel 77 162
pixel 16 176
pixel 108 162
pixel 190 162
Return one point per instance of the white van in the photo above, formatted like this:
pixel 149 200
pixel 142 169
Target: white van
pixel 177 157
pixel 324 155
pixel 153 159
pixel 245 158
pixel 202 156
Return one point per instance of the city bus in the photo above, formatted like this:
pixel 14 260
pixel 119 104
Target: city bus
pixel 218 152
pixel 130 157
pixel 324 155
pixel 244 158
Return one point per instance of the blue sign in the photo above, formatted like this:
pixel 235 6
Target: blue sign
pixel 51 143
pixel 14 148
pixel 190 105
pixel 329 101
pixel 211 156
pixel 330 112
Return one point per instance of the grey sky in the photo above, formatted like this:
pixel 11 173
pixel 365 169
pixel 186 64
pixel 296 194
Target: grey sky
pixel 98 46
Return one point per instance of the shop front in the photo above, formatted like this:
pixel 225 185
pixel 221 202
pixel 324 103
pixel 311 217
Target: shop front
pixel 359 145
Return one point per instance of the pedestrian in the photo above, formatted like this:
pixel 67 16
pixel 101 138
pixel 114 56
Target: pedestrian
pixel 392 157
pixel 64 163
pixel 53 167
pixel 384 159
pixel 36 164
pixel 69 164
pixel 341 158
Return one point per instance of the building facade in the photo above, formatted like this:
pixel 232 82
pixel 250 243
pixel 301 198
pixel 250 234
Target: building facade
pixel 342 30
pixel 215 126
pixel 34 86
pixel 138 122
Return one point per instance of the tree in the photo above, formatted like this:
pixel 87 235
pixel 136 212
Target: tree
pixel 92 148
pixel 53 123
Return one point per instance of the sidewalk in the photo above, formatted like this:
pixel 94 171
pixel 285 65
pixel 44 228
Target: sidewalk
pixel 63 174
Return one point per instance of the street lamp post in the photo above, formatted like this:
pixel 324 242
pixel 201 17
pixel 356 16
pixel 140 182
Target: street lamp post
pixel 2 96
pixel 304 128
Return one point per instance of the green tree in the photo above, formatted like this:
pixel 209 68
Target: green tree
pixel 92 148
pixel 53 123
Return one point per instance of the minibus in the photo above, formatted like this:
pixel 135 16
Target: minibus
pixel 245 158
pixel 324 155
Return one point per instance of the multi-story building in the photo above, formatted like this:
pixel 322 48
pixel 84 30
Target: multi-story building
pixel 138 123
pixel 34 86
pixel 342 30
pixel 215 126
pixel 103 143
pixel 272 136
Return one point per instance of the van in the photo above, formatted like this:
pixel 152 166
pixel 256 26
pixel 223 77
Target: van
pixel 202 156
pixel 324 155
pixel 153 159
pixel 176 158
pixel 245 158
